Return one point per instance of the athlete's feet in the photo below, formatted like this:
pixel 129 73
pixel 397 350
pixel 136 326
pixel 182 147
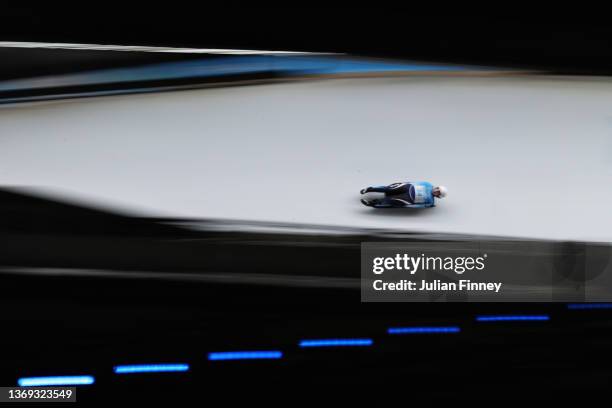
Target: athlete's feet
pixel 365 190
pixel 366 202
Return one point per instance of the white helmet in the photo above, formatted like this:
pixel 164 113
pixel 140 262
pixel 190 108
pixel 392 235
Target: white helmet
pixel 441 190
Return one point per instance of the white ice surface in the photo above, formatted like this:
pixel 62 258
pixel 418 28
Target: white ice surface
pixel 526 157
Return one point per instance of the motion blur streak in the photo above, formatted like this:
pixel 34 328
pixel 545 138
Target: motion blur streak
pixel 56 380
pixel 110 47
pixel 150 368
pixel 589 306
pixel 224 277
pixel 336 343
pixel 222 67
pixel 512 318
pixel 423 330
pixel 245 355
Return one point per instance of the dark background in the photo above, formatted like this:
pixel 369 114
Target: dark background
pixel 78 323
pixel 562 38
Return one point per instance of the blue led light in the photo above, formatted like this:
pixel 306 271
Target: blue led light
pixel 587 306
pixel 423 330
pixel 55 380
pixel 245 355
pixel 150 368
pixel 336 343
pixel 513 318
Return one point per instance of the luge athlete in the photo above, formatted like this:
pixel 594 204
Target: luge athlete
pixel 409 194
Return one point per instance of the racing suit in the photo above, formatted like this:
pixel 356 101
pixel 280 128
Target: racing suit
pixel 414 194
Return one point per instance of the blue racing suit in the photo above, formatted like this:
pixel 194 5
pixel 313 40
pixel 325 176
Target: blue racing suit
pixel 413 194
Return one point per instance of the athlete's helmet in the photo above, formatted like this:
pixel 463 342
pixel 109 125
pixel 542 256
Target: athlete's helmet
pixel 441 190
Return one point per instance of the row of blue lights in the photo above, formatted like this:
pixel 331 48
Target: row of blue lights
pixel 424 330
pixel 336 343
pixel 245 355
pixel 513 318
pixel 277 354
pixel 56 380
pixel 589 306
pixel 151 368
